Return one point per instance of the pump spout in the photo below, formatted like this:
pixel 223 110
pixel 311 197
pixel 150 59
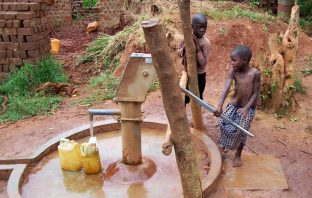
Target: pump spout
pixel 104 112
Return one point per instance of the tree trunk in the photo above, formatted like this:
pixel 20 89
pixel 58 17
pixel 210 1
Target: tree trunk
pixel 185 15
pixel 174 106
pixel 290 45
pixel 278 71
pixel 283 49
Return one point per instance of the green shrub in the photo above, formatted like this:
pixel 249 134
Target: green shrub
pixel 89 3
pixel 23 101
pixel 238 12
pixel 104 86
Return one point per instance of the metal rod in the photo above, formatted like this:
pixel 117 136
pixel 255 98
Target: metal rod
pixel 104 112
pixel 211 109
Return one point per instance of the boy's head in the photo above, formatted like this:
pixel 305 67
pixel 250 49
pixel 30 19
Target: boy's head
pixel 199 25
pixel 240 57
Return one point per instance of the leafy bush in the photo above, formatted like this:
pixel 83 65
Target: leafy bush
pixel 106 86
pixel 23 101
pixel 89 3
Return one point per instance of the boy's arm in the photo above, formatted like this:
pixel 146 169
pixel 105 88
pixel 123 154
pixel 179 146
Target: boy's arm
pixel 224 94
pixel 254 96
pixel 201 53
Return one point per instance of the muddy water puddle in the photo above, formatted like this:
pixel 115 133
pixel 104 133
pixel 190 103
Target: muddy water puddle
pixel 47 179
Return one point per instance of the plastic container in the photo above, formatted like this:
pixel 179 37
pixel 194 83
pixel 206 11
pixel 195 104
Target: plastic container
pixel 91 162
pixel 69 153
pixel 55 46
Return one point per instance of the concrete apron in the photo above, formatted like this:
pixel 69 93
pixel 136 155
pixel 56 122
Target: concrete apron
pixel 16 169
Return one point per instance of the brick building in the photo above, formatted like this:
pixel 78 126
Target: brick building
pixel 25 26
pixel 24 32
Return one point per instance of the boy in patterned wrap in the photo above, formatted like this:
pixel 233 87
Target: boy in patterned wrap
pixel 242 107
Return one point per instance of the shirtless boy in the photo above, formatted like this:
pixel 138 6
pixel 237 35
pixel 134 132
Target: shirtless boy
pixel 242 107
pixel 202 44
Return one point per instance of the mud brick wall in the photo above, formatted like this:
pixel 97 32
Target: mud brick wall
pixel 109 13
pixel 24 32
pixel 79 11
pixel 60 13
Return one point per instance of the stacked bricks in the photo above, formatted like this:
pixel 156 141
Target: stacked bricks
pixel 110 12
pixel 60 13
pixel 24 32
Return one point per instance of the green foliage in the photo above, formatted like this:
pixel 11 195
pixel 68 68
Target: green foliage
pixel 154 86
pixel 305 14
pixel 254 2
pixel 274 87
pixel 94 50
pixel 20 107
pixel 238 12
pixel 105 86
pixel 279 39
pixel 297 85
pixel 280 113
pixel 22 100
pixel 89 3
pixel 308 70
pixel 267 71
pixel 305 8
pixel 107 50
pixel 293 118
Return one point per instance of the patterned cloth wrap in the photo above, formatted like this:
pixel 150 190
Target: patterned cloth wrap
pixel 231 137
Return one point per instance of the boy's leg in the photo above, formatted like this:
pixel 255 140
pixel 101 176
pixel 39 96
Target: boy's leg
pixel 245 123
pixel 229 135
pixel 201 84
pixel 237 159
pixel 168 144
pixel 186 98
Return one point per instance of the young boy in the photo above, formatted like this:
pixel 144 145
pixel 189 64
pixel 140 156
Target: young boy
pixel 202 44
pixel 242 107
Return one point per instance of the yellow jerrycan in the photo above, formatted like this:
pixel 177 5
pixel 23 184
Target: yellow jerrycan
pixel 69 153
pixel 55 46
pixel 91 162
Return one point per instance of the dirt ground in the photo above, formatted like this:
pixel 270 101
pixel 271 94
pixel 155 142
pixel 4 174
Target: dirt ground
pixel 287 140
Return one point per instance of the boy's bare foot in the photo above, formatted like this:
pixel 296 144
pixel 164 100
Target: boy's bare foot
pixel 222 149
pixel 167 148
pixel 237 162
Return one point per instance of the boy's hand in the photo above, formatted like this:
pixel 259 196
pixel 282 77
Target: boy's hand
pixel 218 111
pixel 243 111
pixel 197 45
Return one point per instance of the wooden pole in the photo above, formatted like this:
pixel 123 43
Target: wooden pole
pixel 174 106
pixel 185 15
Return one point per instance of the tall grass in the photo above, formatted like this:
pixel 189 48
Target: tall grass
pixel 107 50
pixel 238 12
pixel 23 101
pixel 104 86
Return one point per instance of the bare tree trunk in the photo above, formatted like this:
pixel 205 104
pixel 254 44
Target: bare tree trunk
pixel 283 49
pixel 174 106
pixel 185 15
pixel 290 45
pixel 278 71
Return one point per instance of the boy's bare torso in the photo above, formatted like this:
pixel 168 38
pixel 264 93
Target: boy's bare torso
pixel 202 59
pixel 244 87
